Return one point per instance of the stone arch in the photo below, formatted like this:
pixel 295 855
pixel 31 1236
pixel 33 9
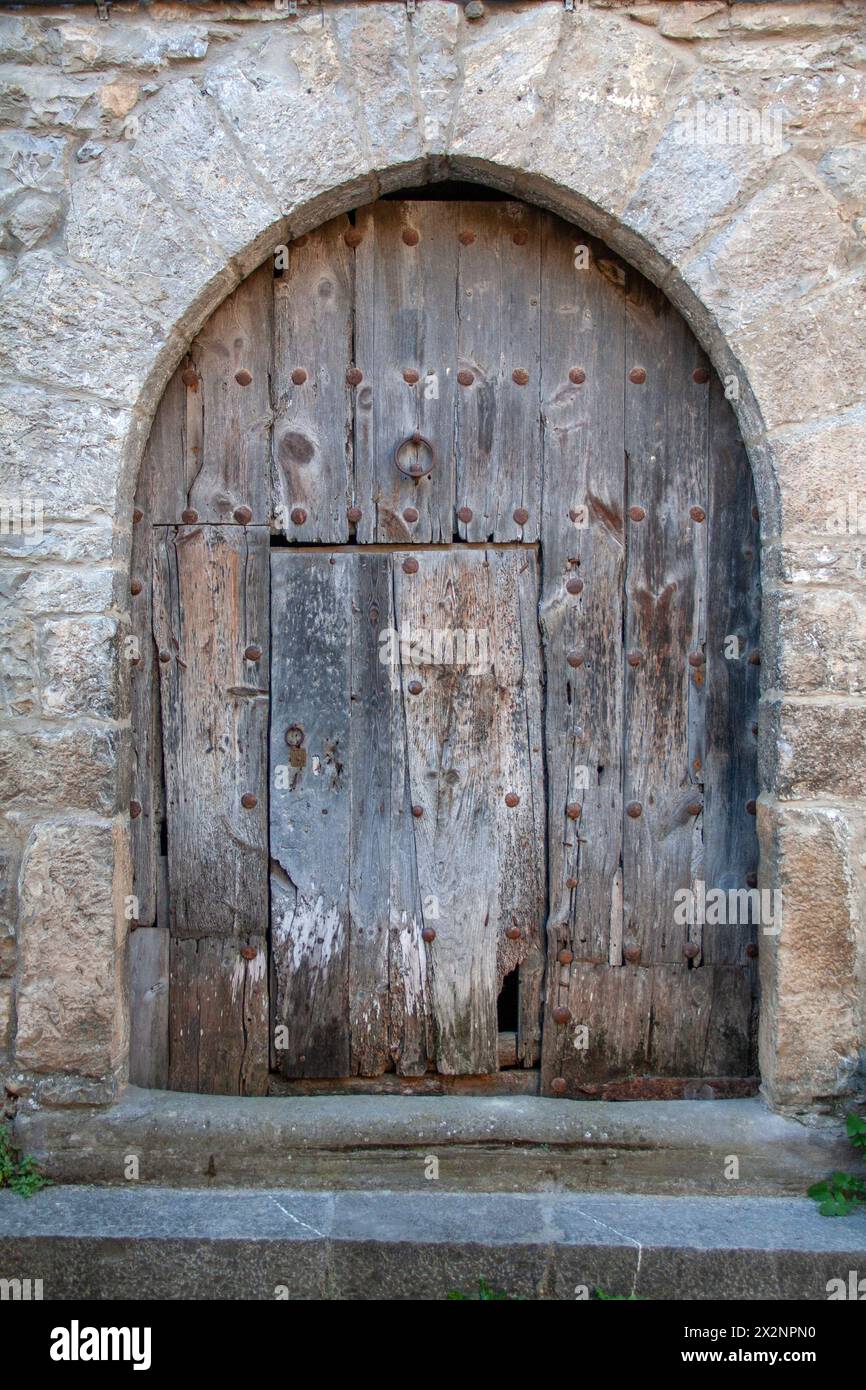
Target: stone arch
pixel 581 113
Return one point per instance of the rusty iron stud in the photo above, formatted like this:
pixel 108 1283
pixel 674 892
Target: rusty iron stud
pixel 189 516
pixel 513 933
pixel 577 376
pixel 637 376
pixel 411 377
pixel 417 812
pixel 558 1086
pixel 134 809
pixel 243 377
pixel 298 516
pixel 135 661
pixel 571 883
pixel 520 237
pixel 253 653
pixel 756 515
pixel 410 565
pixel 565 957
pixel 248 801
pixel 754 658
pixel 511 799
pixel 300 241
pixel 701 376
pixel 520 515
pixel 632 954
pixel 634 810
pixel 561 1016
pixel 752 807
pixel 465 378
pixel 410 514
pixel 410 236
pixel 165 657
pixel 354 377
pixel 414 687
pixel 189 377
pixel 635 658
pixel 138 514
pixel 573 810
pixel 691 950
pixel 243 515
pixel 696 764
pixel 466 238
pixel 249 952
pixel 751 879
pixel 575 659
pixel 354 515
pixel 697 514
pixel 464 514
pixel 752 951
pixel 696 658
pixel 353 236
pixel 636 513
pixel 428 934
pixel 574 586
pixel 519 376
pixel 694 808
pixel 135 587
pixel 299 376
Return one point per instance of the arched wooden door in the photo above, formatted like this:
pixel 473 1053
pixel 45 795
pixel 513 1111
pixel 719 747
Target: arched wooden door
pixel 446 590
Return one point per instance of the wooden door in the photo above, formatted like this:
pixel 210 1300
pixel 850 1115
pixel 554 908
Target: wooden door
pixel 412 745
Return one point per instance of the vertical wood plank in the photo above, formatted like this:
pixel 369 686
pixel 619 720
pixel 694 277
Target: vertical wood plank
pixel 311 822
pixel 498 450
pixel 148 1007
pixel 146 796
pixel 218 1015
pixel 312 433
pixel 581 613
pixel 406 348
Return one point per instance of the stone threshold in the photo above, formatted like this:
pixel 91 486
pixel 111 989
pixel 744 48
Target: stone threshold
pixel 473 1143
pixel 164 1243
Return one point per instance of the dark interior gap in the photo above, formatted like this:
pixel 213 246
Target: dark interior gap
pixel 508 1003
pixel 449 191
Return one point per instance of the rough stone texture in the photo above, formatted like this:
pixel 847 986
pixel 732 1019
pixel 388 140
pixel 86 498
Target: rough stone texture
pixel 148 162
pixel 282 1243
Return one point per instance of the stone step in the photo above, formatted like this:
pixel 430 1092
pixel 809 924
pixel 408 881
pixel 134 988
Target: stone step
pixel 515 1143
pixel 168 1243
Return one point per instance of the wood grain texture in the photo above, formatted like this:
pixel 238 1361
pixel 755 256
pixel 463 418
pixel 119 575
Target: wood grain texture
pixel 498 445
pixel 145 717
pixel 312 433
pixel 218 1006
pixel 148 1007
pixel 405 322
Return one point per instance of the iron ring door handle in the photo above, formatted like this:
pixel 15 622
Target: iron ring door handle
pixel 416 469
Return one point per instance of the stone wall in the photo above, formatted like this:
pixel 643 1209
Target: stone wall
pixel 150 160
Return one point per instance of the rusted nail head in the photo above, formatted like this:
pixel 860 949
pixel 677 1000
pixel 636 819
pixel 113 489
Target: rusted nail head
pixel 691 950
pixel 354 377
pixel 464 514
pixel 417 812
pixel 164 657
pixel 694 808
pixel 520 515
pixel 701 376
pixel 577 376
pixel 561 1016
pixel 300 241
pixel 558 1086
pixel 697 514
pixel 137 514
pixel 511 799
pixel 410 514
pixel 466 238
pixel 575 658
pixel 754 658
pixel 513 933
pixel 248 801
pixel 249 952
pixel 428 934
pixel 410 376
pixel 354 515
pixel 410 236
pixel 253 653
pixel 574 586
pixel 752 951
pixel 243 377
pixel 410 565
pixel 636 513
pixel 415 687
pixel 565 957
pixel 573 810
pixel 465 377
pixel 634 810
pixel 135 587
pixel 637 376
pixel 632 954
pixel 299 376
pixel 135 809
pixel 520 376
pixel 353 236
pixel 520 237
pixel 243 515
pixel 189 516
pixel 571 883
pixel 635 658
pixel 696 658
pixel 298 515
pixel 189 376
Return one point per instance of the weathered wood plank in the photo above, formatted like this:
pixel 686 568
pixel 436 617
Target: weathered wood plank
pixel 406 348
pixel 210 607
pixel 312 433
pixel 666 443
pixel 218 1007
pixel 146 796
pixel 311 814
pixel 584 539
pixel 148 1007
pixel 498 448
pixel 219 461
pixel 460 719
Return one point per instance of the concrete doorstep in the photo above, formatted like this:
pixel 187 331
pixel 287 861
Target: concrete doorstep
pixel 160 1243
